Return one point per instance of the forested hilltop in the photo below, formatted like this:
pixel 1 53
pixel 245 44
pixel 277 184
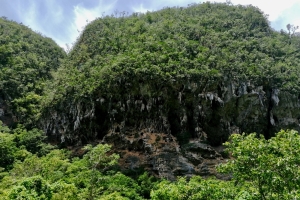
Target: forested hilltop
pixel 202 70
pixel 144 99
pixel 26 62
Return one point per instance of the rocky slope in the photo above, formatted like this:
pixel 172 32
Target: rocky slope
pixel 161 154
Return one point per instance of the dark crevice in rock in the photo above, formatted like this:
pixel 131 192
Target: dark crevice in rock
pixel 268 129
pixel 158 129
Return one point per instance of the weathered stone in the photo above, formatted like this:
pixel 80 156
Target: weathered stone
pixel 177 133
pixel 161 154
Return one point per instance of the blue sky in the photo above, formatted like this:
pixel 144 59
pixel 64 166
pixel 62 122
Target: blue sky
pixel 62 20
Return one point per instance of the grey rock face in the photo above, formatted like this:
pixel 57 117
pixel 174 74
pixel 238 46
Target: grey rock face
pixel 286 114
pixel 175 132
pixel 5 116
pixel 161 154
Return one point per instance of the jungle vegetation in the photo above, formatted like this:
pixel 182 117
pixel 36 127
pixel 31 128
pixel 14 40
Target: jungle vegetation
pixel 155 55
pixel 112 56
pixel 33 169
pixel 26 61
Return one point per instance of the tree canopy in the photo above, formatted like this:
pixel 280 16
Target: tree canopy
pixel 259 169
pixel 124 66
pixel 203 42
pixel 153 57
pixel 26 62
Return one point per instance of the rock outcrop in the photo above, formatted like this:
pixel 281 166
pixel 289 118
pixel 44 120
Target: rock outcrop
pixel 180 140
pixel 166 88
pixel 5 114
pixel 161 154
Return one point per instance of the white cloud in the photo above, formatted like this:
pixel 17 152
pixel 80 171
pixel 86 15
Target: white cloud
pixel 158 4
pixel 280 12
pixel 82 16
pixel 272 8
pixel 55 11
pixel 41 20
pixel 62 21
pixel 30 13
pixel 289 16
pixel 140 8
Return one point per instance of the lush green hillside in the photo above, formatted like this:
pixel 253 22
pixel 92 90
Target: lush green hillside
pixel 160 91
pixel 200 43
pixel 160 68
pixel 31 169
pixel 26 61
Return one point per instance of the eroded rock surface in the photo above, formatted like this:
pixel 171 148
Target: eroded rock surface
pixel 161 154
pixel 5 115
pixel 176 133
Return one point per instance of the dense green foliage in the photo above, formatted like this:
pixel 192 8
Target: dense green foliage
pixel 157 55
pixel 260 169
pixel 271 167
pixel 57 175
pixel 18 143
pixel 26 62
pixel 139 57
pixel 201 43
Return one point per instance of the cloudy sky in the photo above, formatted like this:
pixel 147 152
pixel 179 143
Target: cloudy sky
pixel 62 20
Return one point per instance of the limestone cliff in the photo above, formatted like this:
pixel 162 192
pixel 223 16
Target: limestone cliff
pixel 168 88
pixel 173 141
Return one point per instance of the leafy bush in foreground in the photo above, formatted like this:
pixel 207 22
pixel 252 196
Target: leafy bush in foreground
pixel 271 167
pixel 260 169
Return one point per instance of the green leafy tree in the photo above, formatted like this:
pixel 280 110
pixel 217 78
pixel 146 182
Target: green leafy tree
pixel 26 61
pixel 64 191
pixel 7 150
pixel 3 128
pixel 113 196
pixel 195 188
pixel 33 188
pixel 121 185
pixel 98 158
pixel 147 183
pixel 33 140
pixel 271 167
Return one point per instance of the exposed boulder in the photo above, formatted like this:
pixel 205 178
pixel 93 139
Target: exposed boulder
pixel 161 154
